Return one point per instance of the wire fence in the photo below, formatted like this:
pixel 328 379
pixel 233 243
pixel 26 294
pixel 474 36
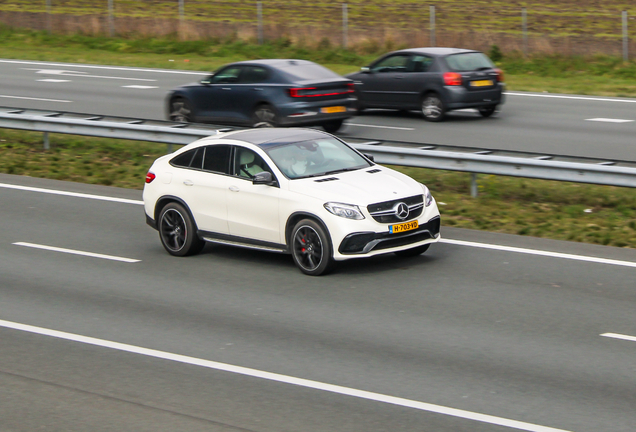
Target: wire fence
pixel 564 26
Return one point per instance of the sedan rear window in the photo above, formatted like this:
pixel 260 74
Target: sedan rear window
pixel 301 72
pixel 468 62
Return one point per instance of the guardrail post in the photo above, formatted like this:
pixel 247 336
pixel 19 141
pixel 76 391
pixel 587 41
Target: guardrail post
pixel 432 13
pixel 46 141
pixel 473 185
pixel 259 17
pixel 625 39
pixel 345 23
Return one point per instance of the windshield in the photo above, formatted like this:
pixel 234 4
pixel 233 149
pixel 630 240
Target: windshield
pixel 468 62
pixel 316 157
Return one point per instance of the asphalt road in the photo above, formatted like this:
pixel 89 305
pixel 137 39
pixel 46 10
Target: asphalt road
pixel 594 127
pixel 463 338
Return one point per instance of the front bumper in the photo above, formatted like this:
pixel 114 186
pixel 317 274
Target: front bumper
pixel 366 242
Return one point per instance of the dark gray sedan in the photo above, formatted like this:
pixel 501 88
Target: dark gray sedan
pixel 266 93
pixel 433 80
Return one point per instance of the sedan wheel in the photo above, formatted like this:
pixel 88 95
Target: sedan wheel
pixel 487 111
pixel 265 116
pixel 178 232
pixel 180 110
pixel 311 248
pixel 433 108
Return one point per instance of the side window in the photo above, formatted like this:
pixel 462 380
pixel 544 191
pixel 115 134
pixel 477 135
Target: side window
pixel 227 75
pixel 419 63
pixel 247 163
pixel 184 160
pixel 217 158
pixel 396 63
pixel 253 74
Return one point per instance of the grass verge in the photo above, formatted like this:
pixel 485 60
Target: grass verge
pixel 564 211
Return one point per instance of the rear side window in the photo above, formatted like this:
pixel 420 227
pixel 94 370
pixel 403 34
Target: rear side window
pixel 184 160
pixel 468 62
pixel 217 159
pixel 253 74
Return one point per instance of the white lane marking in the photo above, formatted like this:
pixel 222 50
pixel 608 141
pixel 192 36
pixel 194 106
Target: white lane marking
pixel 381 127
pixel 301 382
pixel 76 252
pixel 609 120
pixel 541 253
pixel 35 99
pixel 443 240
pixel 140 87
pixel 572 97
pixel 73 194
pixel 53 80
pixel 83 74
pixel 620 336
pixel 120 68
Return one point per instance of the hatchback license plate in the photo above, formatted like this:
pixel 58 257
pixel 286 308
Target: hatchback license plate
pixel 333 109
pixel 407 226
pixel 481 83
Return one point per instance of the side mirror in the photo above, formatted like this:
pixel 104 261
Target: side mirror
pixel 365 69
pixel 207 79
pixel 369 156
pixel 264 178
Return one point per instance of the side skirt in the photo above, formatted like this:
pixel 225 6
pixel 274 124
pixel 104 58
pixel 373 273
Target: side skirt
pixel 230 240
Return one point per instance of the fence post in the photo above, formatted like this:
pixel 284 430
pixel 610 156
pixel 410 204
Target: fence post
pixel 432 14
pixel 524 30
pixel 49 25
pixel 259 17
pixel 345 23
pixel 625 38
pixel 181 17
pixel 111 24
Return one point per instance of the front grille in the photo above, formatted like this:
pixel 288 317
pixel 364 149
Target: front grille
pixel 384 212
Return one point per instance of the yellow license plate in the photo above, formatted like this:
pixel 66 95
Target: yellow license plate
pixel 407 226
pixel 481 83
pixel 333 109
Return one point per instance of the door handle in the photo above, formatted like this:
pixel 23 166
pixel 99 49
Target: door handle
pixel 226 88
pixel 258 89
pixel 399 77
pixel 188 182
pixel 234 188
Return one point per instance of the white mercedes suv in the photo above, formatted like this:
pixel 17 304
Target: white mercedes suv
pixel 297 191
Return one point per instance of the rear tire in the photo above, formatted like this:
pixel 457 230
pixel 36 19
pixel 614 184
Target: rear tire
pixel 333 126
pixel 264 116
pixel 433 108
pixel 487 111
pixel 419 250
pixel 311 248
pixel 180 110
pixel 177 231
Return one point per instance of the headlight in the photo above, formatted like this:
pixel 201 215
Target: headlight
pixel 347 211
pixel 428 198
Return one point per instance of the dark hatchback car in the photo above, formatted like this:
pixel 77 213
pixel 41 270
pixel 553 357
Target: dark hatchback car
pixel 266 93
pixel 433 80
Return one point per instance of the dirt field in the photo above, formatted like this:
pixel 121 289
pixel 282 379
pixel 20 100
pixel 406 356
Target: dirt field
pixel 553 26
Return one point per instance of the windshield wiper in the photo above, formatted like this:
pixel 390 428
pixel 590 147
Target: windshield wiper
pixel 341 170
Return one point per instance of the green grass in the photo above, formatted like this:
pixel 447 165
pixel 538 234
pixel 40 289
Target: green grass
pixel 558 210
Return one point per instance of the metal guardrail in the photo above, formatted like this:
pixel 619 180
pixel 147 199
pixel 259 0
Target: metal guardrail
pixel 484 161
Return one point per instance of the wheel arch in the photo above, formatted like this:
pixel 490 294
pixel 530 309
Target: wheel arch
pixel 296 217
pixel 167 199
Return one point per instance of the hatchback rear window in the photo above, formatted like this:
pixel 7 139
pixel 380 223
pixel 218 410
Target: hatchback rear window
pixel 468 62
pixel 301 72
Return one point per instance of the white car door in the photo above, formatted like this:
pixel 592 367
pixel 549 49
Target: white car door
pixel 252 210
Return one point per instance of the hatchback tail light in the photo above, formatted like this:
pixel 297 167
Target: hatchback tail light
pixel 150 177
pixel 500 75
pixel 452 79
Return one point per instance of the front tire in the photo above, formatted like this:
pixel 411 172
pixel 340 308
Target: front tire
pixel 419 250
pixel 178 232
pixel 433 108
pixel 311 248
pixel 333 126
pixel 264 116
pixel 180 111
pixel 487 111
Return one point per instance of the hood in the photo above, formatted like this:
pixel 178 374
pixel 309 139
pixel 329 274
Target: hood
pixel 361 187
